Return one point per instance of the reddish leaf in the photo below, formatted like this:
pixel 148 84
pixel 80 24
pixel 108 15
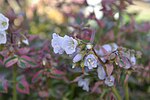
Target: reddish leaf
pixel 77 79
pixel 57 72
pixel 24 51
pixel 26 62
pixel 4 53
pixel 10 61
pixel 22 64
pixel 43 94
pixel 3 85
pixel 126 78
pixel 95 87
pixel 22 86
pixel 37 76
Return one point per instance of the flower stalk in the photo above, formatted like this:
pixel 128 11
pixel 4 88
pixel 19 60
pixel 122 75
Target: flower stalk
pixel 99 59
pixel 126 91
pixel 14 83
pixel 115 91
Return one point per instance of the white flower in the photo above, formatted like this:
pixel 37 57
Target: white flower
pixel 94 6
pixel 84 83
pixel 133 60
pixel 3 38
pixel 109 81
pixel 116 16
pixel 69 44
pixel 90 61
pixel 93 2
pixel 98 13
pixel 25 41
pixel 4 22
pixel 77 58
pixel 57 43
pixel 101 73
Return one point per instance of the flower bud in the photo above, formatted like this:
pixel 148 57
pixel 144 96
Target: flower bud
pixel 77 58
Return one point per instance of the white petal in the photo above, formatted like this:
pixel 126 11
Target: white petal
pixel 133 60
pixel 69 44
pixel 77 58
pixel 84 83
pixel 114 46
pixel 80 82
pixel 109 81
pixel 3 37
pixel 56 43
pixel 90 61
pixel 93 2
pixel 98 13
pixel 25 41
pixel 116 16
pixel 89 46
pixel 101 73
pixel 4 22
pixel 107 47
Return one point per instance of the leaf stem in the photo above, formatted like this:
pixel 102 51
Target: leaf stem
pixel 14 83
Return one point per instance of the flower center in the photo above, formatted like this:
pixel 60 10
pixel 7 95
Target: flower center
pixel 90 61
pixel 1 36
pixel 4 24
pixel 71 45
pixel 110 80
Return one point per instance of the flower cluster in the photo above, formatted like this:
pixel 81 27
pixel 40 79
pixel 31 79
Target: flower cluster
pixel 104 58
pixel 61 44
pixel 4 23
